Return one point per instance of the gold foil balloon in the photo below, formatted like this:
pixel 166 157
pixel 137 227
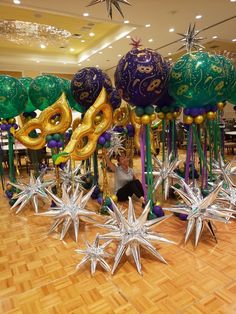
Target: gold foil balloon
pixel 220 105
pixel 188 120
pixel 153 117
pixel 76 123
pixel 211 115
pixel 161 115
pixel 145 119
pixel 198 119
pixel 84 139
pixel 121 115
pixel 43 123
pixel 114 198
pixel 169 116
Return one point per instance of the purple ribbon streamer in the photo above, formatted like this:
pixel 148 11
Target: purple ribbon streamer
pixel 142 155
pixel 189 154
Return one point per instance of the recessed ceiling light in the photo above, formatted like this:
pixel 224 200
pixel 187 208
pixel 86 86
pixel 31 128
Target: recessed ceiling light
pixel 72 49
pixel 170 59
pixel 150 40
pixel 234 39
pixel 42 46
pixel 100 52
pixel 198 17
pixel 64 62
pixel 147 25
pixel 119 55
pixel 126 22
pixel 214 37
pixel 16 1
pixel 128 36
pixel 232 0
pixel 37 61
pixel 91 34
pixel 97 66
pixel 110 47
pixel 85 14
pixel 79 64
pixel 171 30
pixel 169 53
pixel 88 60
pixel 82 41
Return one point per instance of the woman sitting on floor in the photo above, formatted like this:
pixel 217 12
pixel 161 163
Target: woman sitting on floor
pixel 126 184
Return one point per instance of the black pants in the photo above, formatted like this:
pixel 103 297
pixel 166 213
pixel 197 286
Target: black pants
pixel 132 187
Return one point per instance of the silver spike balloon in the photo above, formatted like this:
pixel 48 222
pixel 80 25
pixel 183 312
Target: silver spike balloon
pixel 201 212
pixel 228 195
pixel 69 175
pixel 109 4
pixel 116 146
pixel 190 39
pixel 70 209
pixel 95 253
pixel 226 171
pixel 164 172
pixel 31 191
pixel 133 233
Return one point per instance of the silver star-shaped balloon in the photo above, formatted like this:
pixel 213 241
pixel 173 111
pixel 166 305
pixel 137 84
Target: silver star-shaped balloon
pixel 225 170
pixel 201 211
pixel 70 209
pixel 71 176
pixel 228 195
pixel 116 146
pixel 164 172
pixel 109 4
pixel 31 191
pixel 133 233
pixel 190 39
pixel 95 253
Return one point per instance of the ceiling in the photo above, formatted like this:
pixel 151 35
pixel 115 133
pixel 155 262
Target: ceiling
pixel 110 42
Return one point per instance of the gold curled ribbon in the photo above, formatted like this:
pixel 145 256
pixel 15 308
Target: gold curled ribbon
pixel 84 139
pixel 137 127
pixel 43 123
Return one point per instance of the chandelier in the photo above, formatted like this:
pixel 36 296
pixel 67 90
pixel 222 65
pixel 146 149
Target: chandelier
pixel 27 33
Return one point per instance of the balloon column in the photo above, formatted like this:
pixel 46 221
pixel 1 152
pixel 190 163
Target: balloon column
pixel 140 79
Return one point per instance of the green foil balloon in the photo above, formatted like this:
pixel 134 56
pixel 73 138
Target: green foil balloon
pixel 232 97
pixel 45 90
pixel 26 81
pixel 73 104
pixel 197 79
pixel 13 97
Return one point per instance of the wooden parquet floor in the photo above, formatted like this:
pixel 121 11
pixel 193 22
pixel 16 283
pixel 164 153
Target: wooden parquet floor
pixel 37 272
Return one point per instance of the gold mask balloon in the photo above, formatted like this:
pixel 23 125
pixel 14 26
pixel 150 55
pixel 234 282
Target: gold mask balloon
pixel 121 115
pixel 84 139
pixel 43 123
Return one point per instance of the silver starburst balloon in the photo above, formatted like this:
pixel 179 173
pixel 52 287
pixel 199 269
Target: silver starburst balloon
pixel 228 195
pixel 164 172
pixel 70 209
pixel 225 170
pixel 109 4
pixel 116 146
pixel 31 191
pixel 190 39
pixel 95 253
pixel 201 212
pixel 71 176
pixel 133 233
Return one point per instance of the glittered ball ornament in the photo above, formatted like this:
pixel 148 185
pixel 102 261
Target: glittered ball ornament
pixel 13 97
pixel 45 90
pixel 140 76
pixel 86 86
pixel 196 80
pixel 26 81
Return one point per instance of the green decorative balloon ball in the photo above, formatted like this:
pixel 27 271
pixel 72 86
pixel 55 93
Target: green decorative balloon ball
pixel 45 91
pixel 73 104
pixel 197 79
pixel 13 97
pixel 26 81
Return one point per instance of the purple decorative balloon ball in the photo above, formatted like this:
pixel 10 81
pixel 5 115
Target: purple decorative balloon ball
pixel 141 76
pixel 52 144
pixel 157 210
pixel 101 140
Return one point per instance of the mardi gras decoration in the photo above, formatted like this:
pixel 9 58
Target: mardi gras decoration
pixel 140 76
pixel 225 170
pixel 116 143
pixel 67 90
pixel 95 254
pixel 190 39
pixel 109 4
pixel 45 91
pixel 43 123
pixel 197 79
pixel 30 192
pixel 84 139
pixel 26 81
pixel 114 99
pixel 164 171
pixel 86 86
pixel 69 210
pixel 228 195
pixel 201 212
pixel 133 233
pixel 13 97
